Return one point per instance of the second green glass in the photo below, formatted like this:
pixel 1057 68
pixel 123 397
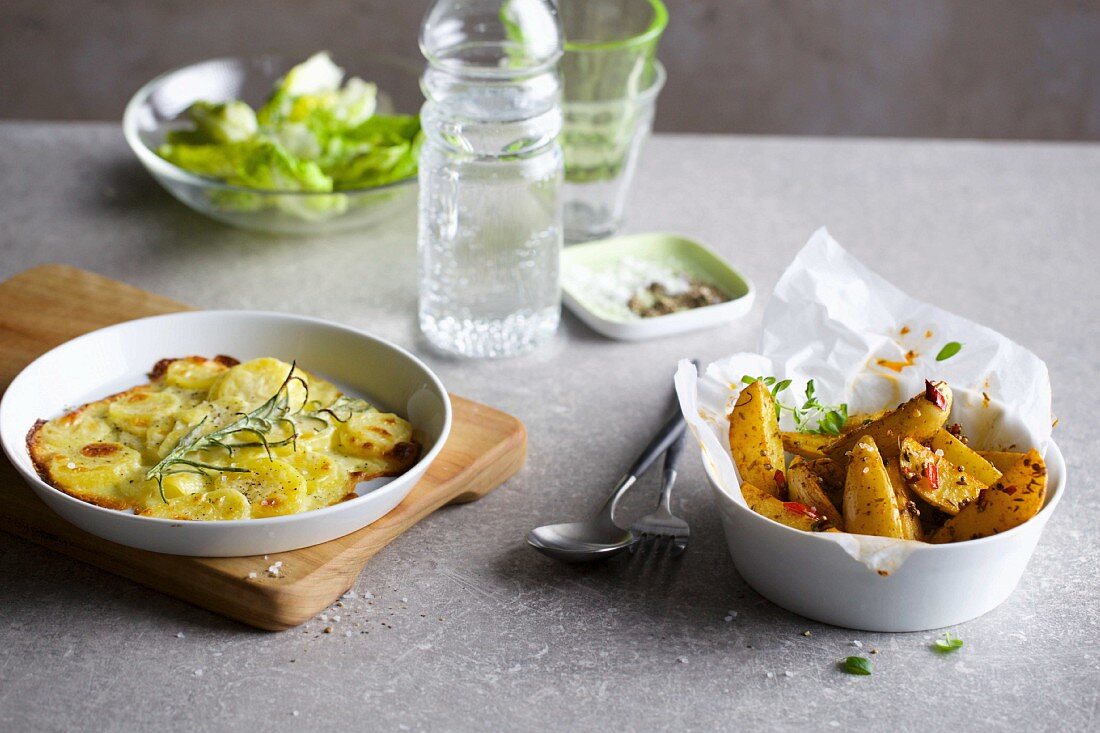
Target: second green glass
pixel 611 80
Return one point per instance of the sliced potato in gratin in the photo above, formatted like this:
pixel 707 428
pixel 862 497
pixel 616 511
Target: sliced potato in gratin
pixel 214 439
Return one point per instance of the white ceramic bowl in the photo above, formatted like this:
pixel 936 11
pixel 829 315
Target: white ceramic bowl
pixel 109 360
pixel 936 585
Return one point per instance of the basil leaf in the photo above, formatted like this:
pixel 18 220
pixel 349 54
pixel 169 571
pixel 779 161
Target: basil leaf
pixel 858 665
pixel 949 350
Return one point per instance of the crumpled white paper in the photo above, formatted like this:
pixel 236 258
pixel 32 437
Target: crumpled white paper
pixel 832 320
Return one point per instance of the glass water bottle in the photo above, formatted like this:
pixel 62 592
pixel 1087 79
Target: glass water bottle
pixel 490 229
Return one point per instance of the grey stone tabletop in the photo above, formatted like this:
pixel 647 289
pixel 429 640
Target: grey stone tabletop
pixel 458 625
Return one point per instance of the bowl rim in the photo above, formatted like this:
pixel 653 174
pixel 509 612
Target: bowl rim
pixel 652 33
pixel 1054 496
pixel 424 461
pixel 160 166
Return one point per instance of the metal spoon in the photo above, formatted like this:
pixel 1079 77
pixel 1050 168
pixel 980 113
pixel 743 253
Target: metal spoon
pixel 599 537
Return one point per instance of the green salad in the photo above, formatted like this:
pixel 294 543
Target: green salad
pixel 316 133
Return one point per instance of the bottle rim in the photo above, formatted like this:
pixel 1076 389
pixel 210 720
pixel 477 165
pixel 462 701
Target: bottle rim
pixel 444 57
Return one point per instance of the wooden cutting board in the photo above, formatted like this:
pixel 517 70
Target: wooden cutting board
pixel 51 304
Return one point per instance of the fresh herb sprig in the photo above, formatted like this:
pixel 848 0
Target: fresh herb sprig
pixel 277 410
pixel 343 403
pixel 813 416
pixel 947 644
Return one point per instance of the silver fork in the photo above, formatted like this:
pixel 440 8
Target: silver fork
pixel 662 527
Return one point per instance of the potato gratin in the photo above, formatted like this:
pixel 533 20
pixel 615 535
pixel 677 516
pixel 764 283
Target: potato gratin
pixel 211 439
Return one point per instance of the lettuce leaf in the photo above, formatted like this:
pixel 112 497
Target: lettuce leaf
pixel 381 150
pixel 227 122
pixel 316 132
pixel 261 164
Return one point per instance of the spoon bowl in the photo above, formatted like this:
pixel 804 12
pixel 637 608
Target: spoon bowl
pixel 580 541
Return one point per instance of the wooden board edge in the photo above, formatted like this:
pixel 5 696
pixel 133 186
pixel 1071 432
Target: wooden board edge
pixel 514 445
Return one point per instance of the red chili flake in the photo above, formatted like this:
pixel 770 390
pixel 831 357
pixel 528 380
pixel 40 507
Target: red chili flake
pixel 932 473
pixel 934 396
pixel 1010 490
pixel 797 506
pixel 780 480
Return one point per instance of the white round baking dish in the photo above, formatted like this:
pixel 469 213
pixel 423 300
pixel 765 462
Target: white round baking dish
pixel 100 363
pixel 935 586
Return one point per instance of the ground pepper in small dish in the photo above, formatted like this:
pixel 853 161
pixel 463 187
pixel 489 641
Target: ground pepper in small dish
pixel 658 300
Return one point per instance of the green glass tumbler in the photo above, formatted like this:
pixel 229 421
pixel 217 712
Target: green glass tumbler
pixel 611 80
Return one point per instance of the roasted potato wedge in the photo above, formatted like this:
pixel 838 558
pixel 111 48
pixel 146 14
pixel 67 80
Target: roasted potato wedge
pixel 935 479
pixel 806 445
pixel 805 487
pixel 963 457
pixel 832 476
pixel 793 514
pixel 907 508
pixel 1002 460
pixel 859 419
pixel 870 505
pixel 1015 498
pixel 755 444
pixel 919 418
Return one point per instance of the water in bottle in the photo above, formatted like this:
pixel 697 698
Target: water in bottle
pixel 490 230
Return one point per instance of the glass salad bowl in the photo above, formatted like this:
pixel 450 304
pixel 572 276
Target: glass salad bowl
pixel 160 108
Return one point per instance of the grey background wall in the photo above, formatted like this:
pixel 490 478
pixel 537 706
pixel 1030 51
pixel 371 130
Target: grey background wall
pixel 927 68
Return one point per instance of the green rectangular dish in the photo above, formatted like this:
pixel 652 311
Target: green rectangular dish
pixel 583 262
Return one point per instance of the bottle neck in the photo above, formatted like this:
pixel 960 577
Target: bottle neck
pixel 500 116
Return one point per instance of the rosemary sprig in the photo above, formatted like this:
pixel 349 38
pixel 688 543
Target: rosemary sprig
pixel 813 416
pixel 277 410
pixel 343 403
